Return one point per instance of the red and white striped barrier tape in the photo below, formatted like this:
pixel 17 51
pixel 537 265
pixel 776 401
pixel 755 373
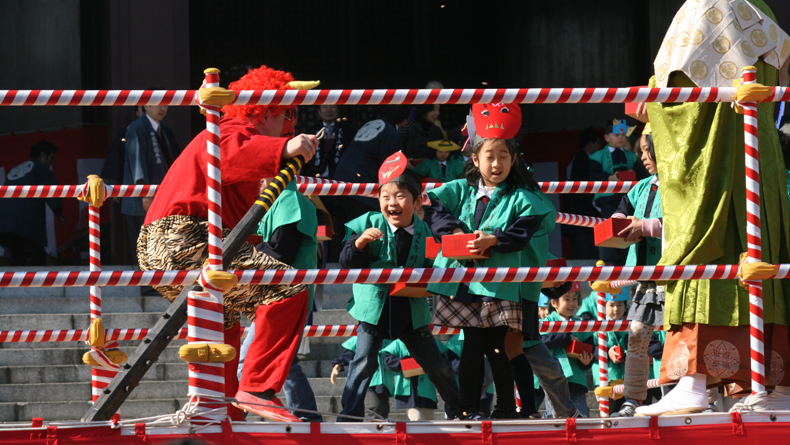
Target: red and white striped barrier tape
pixel 652 383
pixel 382 276
pixel 73 191
pixel 603 355
pixel 378 96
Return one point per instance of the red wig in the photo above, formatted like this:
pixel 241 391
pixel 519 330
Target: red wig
pixel 263 78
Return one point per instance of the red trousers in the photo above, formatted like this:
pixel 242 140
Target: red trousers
pixel 278 328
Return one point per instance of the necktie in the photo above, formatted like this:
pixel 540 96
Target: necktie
pixel 164 147
pixel 402 245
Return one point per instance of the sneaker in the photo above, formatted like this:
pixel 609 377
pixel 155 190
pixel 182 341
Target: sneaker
pixel 249 402
pixel 627 410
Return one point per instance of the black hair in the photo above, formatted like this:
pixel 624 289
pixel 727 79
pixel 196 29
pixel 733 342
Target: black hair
pixel 784 142
pixel 587 136
pixel 395 114
pixel 44 147
pixel 651 149
pixel 421 110
pixel 519 176
pixel 416 194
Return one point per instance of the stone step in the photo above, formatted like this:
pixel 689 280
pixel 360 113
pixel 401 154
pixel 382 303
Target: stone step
pixel 160 371
pixel 111 304
pixel 77 321
pixel 55 392
pixel 73 410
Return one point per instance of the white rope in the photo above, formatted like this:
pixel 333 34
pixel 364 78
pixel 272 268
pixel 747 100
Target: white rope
pixel 754 402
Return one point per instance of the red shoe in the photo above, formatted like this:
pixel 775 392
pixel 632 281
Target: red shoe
pixel 249 402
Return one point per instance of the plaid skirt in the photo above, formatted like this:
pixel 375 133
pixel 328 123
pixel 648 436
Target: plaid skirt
pixel 487 314
pixel 180 242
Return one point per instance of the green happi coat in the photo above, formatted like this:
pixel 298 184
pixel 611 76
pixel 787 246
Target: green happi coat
pixel 403 384
pixel 431 168
pixel 383 376
pixel 293 207
pixel 460 200
pixel 615 371
pixel 368 299
pixel 638 197
pixel 604 157
pixel 700 154
pixel 570 367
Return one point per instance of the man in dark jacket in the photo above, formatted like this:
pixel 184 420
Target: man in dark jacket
pixel 23 232
pixel 582 239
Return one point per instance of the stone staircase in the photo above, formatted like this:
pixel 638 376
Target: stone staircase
pixel 49 380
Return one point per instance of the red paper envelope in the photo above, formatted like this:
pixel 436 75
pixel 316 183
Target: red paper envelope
pixel 606 233
pixel 628 175
pixel 432 248
pixel 454 247
pixel 324 234
pixel 413 290
pixel 630 110
pixel 556 262
pixel 576 348
pixel 410 367
pixel 619 353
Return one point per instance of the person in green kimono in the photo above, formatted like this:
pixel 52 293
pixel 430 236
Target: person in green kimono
pixel 446 165
pixel 391 238
pixel 382 384
pixel 499 202
pixel 573 368
pixel 700 152
pixel 605 164
pixel 416 394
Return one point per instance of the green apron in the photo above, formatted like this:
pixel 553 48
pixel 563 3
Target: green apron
pixel 460 200
pixel 368 299
pixel 402 385
pixel 293 207
pixel 431 168
pixel 570 367
pixel 638 196
pixel 604 157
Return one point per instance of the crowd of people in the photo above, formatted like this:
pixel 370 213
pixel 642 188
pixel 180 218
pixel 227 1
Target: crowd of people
pixel 694 214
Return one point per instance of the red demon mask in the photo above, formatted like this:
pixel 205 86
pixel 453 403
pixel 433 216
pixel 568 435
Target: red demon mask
pixel 496 121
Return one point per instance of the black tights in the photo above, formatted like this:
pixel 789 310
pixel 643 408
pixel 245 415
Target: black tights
pixel 489 342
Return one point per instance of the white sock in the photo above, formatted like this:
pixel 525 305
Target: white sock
pixel 779 399
pixel 690 392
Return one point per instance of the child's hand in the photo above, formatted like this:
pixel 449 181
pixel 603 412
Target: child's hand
pixel 634 230
pixel 458 231
pixel 333 376
pixel 585 358
pixel 481 243
pixel 369 235
pixel 613 178
pixel 613 355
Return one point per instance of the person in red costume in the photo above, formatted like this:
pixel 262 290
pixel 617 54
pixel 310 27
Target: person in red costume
pixel 254 141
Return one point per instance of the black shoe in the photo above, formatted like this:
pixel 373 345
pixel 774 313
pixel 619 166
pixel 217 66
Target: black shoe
pixel 505 414
pixel 473 416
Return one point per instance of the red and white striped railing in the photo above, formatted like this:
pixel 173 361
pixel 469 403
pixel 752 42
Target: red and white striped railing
pixel 379 96
pixel 382 276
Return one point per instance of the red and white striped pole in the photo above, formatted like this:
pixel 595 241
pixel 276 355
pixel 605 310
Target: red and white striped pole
pixel 753 235
pixel 603 352
pixel 100 377
pixel 204 311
